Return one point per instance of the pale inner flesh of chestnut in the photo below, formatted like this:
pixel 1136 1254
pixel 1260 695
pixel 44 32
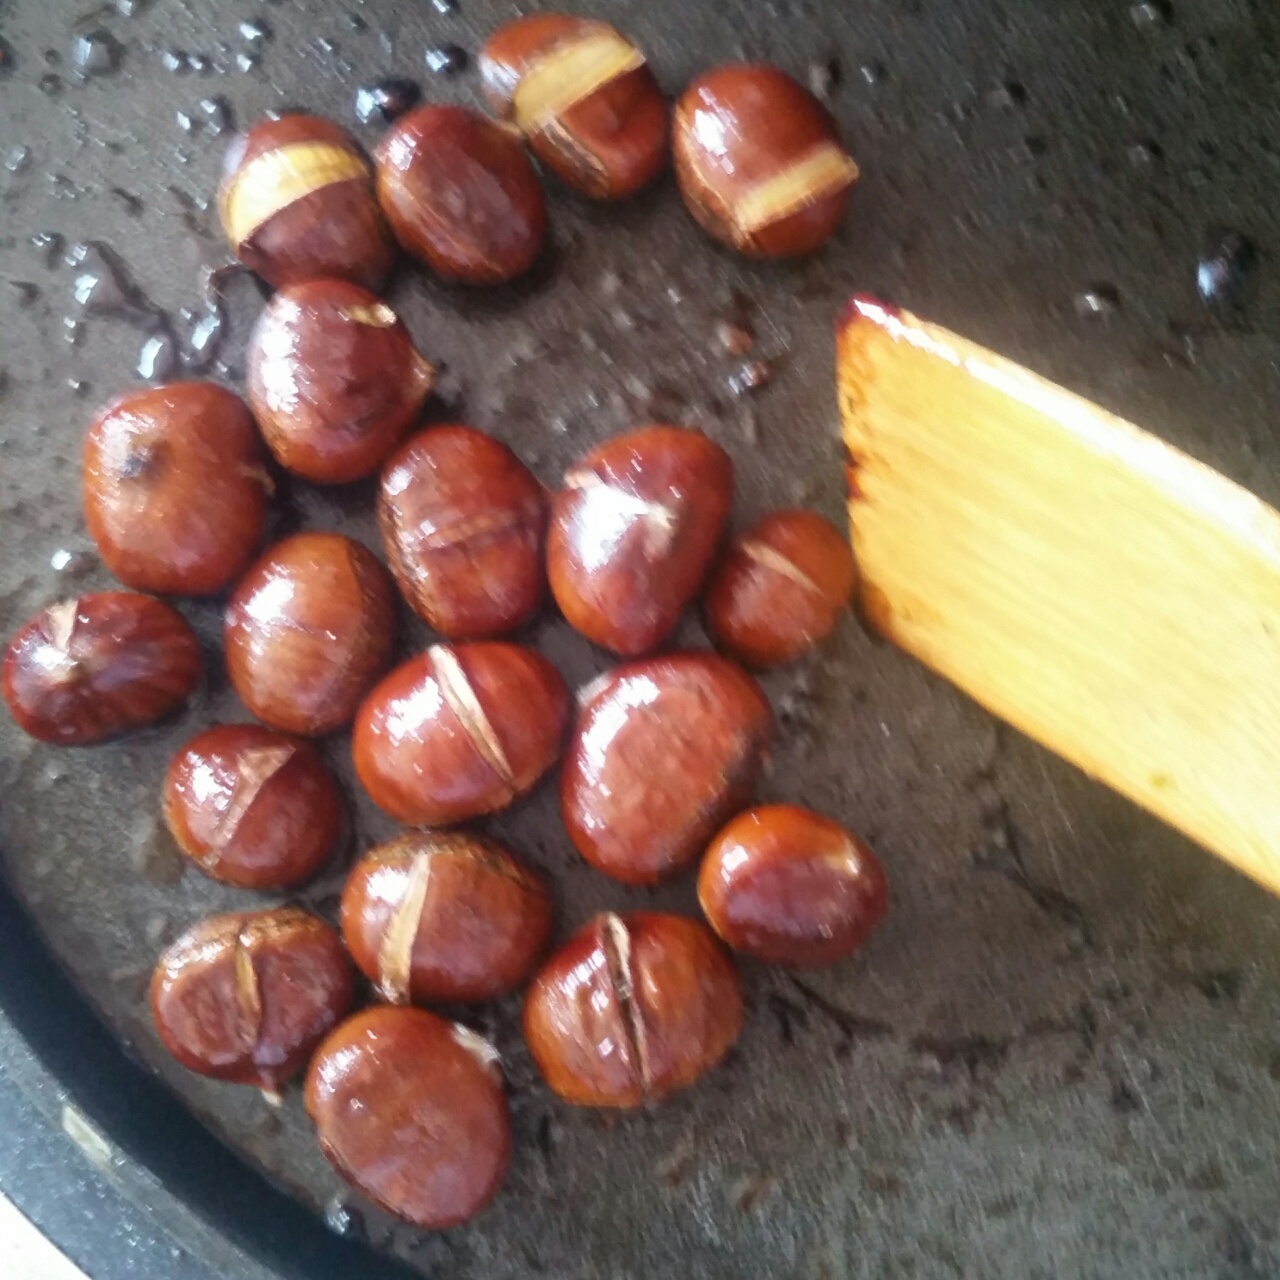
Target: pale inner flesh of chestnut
pixel 395 956
pixel 254 769
pixel 274 180
pixel 770 558
pixel 461 698
pixel 822 171
pixel 569 72
pixel 615 940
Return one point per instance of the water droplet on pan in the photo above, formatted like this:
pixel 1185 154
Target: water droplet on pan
pixel 446 60
pixel 96 53
pixel 1225 267
pixel 385 100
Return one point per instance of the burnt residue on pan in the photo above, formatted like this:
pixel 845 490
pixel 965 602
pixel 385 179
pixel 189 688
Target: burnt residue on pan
pixel 1060 1053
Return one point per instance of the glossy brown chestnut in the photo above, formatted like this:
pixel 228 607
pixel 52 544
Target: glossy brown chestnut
pixel 461 195
pixel 791 887
pixel 175 491
pixel 252 807
pixel 633 532
pixel 409 1108
pixel 308 630
pixel 334 379
pixel 631 1009
pixel 759 161
pixel 246 997
pixel 460 731
pixel 583 96
pixel 463 522
pixel 779 589
pixel 663 752
pixel 87 669
pixel 444 916
pixel 297 203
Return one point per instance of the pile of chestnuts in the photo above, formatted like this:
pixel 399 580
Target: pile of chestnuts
pixel 658 759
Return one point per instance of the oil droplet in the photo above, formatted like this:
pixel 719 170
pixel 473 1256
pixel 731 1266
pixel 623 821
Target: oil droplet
pixel 175 61
pixel 385 100
pixel 1222 276
pixel 102 285
pixel 256 31
pixel 73 564
pixel 96 53
pixel 18 160
pixel 1098 302
pixel 6 58
pixel 445 7
pixel 824 78
pixel 48 243
pixel 218 116
pixel 131 8
pixel 344 1219
pixel 158 358
pixel 446 60
pixel 247 62
pixel 1152 13
pixel 50 84
pixel 204 339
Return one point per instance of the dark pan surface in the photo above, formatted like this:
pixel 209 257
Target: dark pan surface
pixel 1061 1054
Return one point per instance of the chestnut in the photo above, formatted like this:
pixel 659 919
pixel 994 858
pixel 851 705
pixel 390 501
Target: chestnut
pixel 791 887
pixel 633 532
pixel 463 523
pixel 297 203
pixel 252 807
pixel 583 96
pixel 759 161
pixel 444 916
pixel 247 997
pixel 175 491
pixel 460 731
pixel 334 379
pixel 410 1110
pixel 631 1009
pixel 779 589
pixel 308 630
pixel 461 195
pixel 84 670
pixel 663 752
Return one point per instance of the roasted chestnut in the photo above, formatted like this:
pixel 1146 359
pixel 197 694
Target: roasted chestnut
pixel 759 161
pixel 583 96
pixel 87 669
pixel 791 887
pixel 297 203
pixel 663 752
pixel 463 523
pixel 461 195
pixel 779 589
pixel 175 491
pixel 252 807
pixel 246 997
pixel 633 532
pixel 334 379
pixel 409 1108
pixel 460 731
pixel 631 1009
pixel 444 916
pixel 308 630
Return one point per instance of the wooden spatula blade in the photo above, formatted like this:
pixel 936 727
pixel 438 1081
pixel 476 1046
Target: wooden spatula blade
pixel 1103 592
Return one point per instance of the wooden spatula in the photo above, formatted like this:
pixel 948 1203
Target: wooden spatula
pixel 1104 593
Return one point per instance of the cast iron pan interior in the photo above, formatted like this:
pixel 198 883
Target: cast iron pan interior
pixel 1060 1055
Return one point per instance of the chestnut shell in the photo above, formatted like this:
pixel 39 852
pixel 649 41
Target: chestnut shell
pixel 90 668
pixel 175 488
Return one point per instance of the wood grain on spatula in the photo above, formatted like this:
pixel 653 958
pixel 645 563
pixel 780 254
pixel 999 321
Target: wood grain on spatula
pixel 1104 593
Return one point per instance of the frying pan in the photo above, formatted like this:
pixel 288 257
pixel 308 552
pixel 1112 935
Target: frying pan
pixel 1061 1053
